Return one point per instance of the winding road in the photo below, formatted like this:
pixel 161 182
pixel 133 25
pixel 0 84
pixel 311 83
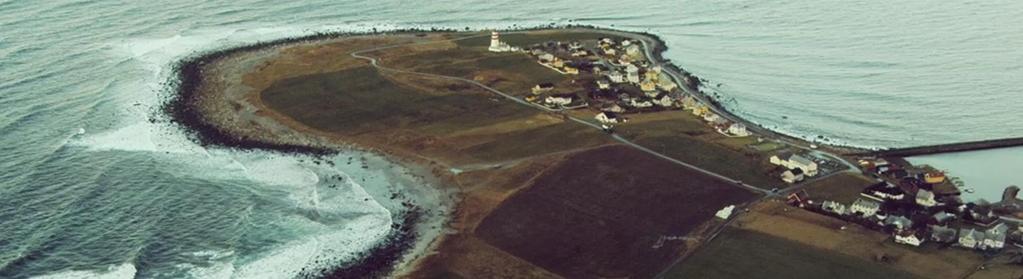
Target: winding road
pixel 375 63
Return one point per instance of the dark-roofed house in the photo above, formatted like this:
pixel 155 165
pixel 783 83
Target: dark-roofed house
pixel 792 176
pixel 943 234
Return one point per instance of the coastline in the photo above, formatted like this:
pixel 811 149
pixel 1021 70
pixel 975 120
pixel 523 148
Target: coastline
pixel 410 236
pixel 404 246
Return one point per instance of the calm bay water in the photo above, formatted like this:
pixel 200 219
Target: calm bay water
pixel 130 197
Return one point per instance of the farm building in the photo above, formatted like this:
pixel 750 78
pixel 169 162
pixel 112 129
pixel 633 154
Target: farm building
pixel 792 161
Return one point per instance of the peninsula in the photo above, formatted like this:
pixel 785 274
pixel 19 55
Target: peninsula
pixel 580 152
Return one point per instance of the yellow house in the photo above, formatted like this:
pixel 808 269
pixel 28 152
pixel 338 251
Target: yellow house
pixel 647 85
pixel 571 70
pixel 652 76
pixel 557 63
pixel 934 177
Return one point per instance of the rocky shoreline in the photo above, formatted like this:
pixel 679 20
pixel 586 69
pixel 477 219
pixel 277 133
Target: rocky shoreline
pixel 182 109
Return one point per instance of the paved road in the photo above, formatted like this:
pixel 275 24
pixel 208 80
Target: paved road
pixel 373 61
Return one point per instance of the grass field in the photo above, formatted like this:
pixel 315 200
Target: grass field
pixel 843 187
pixel 743 254
pixel 360 100
pixel 695 143
pixel 600 213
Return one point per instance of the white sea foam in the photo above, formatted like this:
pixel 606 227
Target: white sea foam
pixel 113 272
pixel 352 220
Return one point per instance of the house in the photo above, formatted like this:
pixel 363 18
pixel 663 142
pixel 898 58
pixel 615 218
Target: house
pixel 570 70
pixel 726 212
pixel 616 77
pixel 633 50
pixel 792 161
pixel 666 84
pixel 580 53
pixel 608 117
pixel 834 207
pixel 970 238
pixel 925 198
pixel 575 45
pixel 640 104
pixel 943 234
pixel 798 198
pixel 943 217
pixel 865 207
pixel 562 100
pixel 737 129
pixel 901 223
pixel 603 84
pixel 613 108
pixel 883 191
pixel 711 117
pixel 994 238
pixel 934 177
pixel 792 176
pixel 558 63
pixel 648 86
pixel 664 101
pixel 546 58
pixel 651 76
pixel 632 73
pixel 909 238
pixel 543 88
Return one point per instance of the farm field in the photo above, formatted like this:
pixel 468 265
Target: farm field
pixel 600 213
pixel 741 254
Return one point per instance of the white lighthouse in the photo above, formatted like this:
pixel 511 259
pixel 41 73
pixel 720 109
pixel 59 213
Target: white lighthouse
pixel 495 41
pixel 497 46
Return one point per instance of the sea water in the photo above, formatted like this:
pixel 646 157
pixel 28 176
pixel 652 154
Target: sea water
pixel 95 183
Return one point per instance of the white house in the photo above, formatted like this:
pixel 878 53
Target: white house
pixel 711 117
pixel 557 101
pixel 634 51
pixel 664 101
pixel 616 77
pixel 640 104
pixel 970 238
pixel 543 88
pixel 632 73
pixel 834 207
pixel 739 130
pixel 608 117
pixel 925 198
pixel 546 58
pixel 994 238
pixel 792 161
pixel 792 176
pixel 865 207
pixel 726 212
pixel 603 84
pixel 908 238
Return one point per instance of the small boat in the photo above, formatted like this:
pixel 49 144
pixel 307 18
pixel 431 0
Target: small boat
pixel 968 190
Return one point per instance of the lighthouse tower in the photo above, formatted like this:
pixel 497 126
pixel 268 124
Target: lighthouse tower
pixel 495 42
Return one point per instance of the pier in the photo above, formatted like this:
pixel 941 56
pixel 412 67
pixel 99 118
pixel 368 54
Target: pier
pixel 945 148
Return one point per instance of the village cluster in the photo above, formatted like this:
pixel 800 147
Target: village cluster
pixel 915 206
pixel 616 78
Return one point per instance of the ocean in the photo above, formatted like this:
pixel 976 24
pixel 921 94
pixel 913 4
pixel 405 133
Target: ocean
pixel 94 182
